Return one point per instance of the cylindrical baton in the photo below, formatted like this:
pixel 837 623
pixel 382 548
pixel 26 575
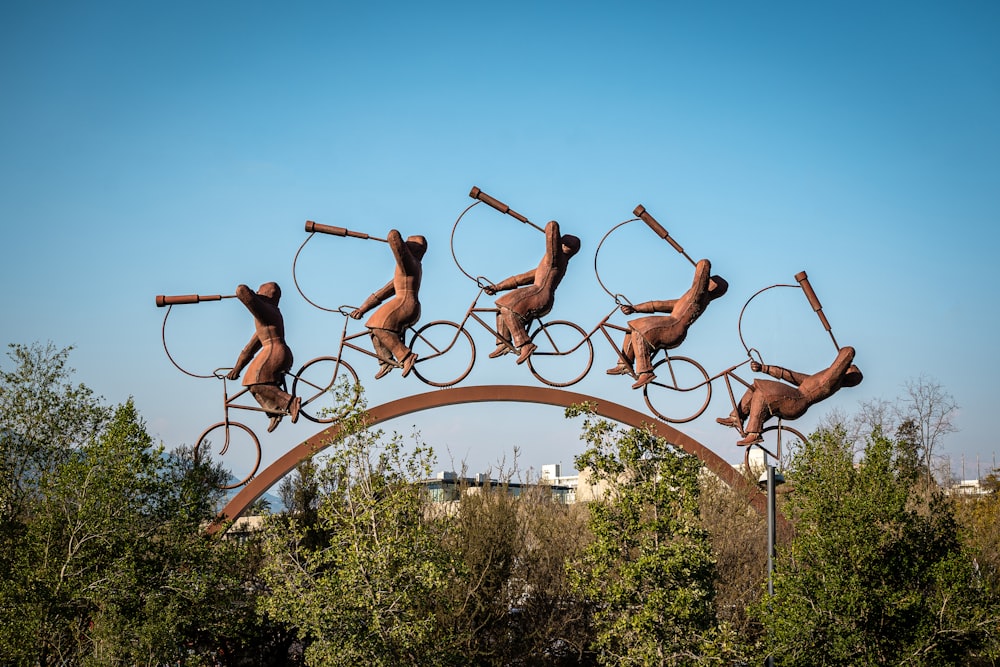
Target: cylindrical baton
pixel 641 213
pixel 476 193
pixel 338 231
pixel 163 300
pixel 807 287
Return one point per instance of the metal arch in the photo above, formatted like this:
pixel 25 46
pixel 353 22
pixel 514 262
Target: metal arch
pixel 480 394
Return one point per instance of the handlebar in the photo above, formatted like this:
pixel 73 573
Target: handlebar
pixel 315 227
pixel 163 300
pixel 478 194
pixel 483 282
pixel 622 300
pixel 641 212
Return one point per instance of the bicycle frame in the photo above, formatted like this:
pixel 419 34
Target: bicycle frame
pixel 229 401
pixel 345 342
pixel 472 312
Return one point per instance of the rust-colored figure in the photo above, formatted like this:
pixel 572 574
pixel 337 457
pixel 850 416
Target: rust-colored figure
pixel 767 398
pixel 534 295
pixel 388 323
pixel 647 335
pixel 268 356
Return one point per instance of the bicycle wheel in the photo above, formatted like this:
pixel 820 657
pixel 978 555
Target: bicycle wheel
pixel 237 444
pixel 681 387
pixel 328 387
pixel 431 342
pixel 564 354
pixel 777 439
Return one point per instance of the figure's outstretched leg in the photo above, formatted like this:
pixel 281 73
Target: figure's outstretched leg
pixel 390 347
pixel 276 402
pixel 754 406
pixel 624 365
pixel 517 325
pixel 643 362
pixel 503 346
pixel 514 326
pixel 739 414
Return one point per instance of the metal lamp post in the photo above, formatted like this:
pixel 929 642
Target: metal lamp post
pixel 769 480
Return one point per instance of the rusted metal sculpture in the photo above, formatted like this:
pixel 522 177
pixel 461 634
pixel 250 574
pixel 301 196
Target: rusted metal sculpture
pixel 647 335
pixel 390 321
pixel 768 398
pixel 533 292
pixel 313 386
pixel 266 356
pixel 551 347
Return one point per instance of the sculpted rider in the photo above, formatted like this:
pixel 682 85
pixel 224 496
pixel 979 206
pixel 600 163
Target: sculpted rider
pixel 535 294
pixel 647 335
pixel 271 357
pixel 388 323
pixel 767 398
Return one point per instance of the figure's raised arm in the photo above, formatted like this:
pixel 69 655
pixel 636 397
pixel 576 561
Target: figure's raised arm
pixel 553 242
pixel 252 301
pixel 395 240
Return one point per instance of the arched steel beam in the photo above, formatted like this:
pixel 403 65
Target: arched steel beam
pixel 480 394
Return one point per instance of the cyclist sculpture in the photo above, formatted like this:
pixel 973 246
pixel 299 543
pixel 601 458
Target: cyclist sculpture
pixel 533 293
pixel 768 398
pixel 390 321
pixel 268 356
pixel 647 335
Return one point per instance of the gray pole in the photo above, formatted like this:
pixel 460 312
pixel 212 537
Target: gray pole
pixel 770 540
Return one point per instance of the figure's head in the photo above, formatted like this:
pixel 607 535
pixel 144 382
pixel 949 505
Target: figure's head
pixel 417 245
pixel 853 377
pixel 717 286
pixel 570 244
pixel 270 291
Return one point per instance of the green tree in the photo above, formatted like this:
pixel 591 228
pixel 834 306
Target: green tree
pixel 512 601
pixel 44 416
pixel 979 519
pixel 104 557
pixel 371 591
pixel 875 573
pixel 649 571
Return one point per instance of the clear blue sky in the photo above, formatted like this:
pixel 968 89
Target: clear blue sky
pixel 170 148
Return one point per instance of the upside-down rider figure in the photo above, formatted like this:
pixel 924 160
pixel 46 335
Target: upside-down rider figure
pixel 532 295
pixel 767 398
pixel 268 356
pixel 647 335
pixel 389 322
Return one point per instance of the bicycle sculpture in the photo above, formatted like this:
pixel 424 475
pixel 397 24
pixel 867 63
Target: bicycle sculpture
pixel 766 398
pixel 558 353
pixel 268 360
pixel 406 358
pixel 530 298
pixel 763 399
